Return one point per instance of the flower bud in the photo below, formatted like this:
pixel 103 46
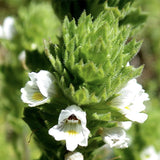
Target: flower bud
pixel 74 156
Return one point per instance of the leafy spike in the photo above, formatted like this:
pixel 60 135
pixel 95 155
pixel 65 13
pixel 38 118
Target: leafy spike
pixel 94 55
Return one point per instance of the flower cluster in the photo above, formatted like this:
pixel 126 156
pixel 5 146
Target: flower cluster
pixel 72 121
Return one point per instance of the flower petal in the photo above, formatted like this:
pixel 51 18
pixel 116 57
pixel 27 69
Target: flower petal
pixel 74 156
pixel 32 95
pixel 125 125
pixel 33 77
pixel 137 117
pixel 115 137
pixel 39 90
pixel 71 144
pixel 57 133
pixel 45 82
pixel 1 32
pixel 8 28
pixel 130 101
pixel 149 153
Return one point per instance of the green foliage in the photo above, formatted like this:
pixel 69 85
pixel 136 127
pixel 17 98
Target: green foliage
pixel 73 9
pixel 90 63
pixel 11 108
pixel 46 143
pixel 32 26
pixel 134 17
pixel 119 3
pixel 36 61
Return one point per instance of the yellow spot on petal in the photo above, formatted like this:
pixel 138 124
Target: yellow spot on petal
pixel 72 132
pixel 147 156
pixel 37 96
pixel 127 107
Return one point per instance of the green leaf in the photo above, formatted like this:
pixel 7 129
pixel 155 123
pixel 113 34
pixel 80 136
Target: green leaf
pixel 135 17
pixel 102 117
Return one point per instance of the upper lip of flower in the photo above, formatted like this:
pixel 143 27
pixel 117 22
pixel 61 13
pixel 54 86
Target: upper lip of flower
pixel 72 117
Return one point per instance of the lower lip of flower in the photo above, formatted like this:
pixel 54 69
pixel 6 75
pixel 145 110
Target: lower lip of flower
pixel 37 96
pixel 127 107
pixel 72 132
pixel 72 124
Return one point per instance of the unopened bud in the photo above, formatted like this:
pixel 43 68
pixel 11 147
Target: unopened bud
pixel 74 156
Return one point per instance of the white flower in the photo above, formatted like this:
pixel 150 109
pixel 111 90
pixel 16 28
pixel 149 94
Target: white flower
pixel 149 153
pixel 71 127
pixel 125 125
pixel 39 90
pixel 74 156
pixel 128 64
pixel 130 101
pixel 22 55
pixel 115 137
pixel 34 46
pixel 7 30
pixel 22 59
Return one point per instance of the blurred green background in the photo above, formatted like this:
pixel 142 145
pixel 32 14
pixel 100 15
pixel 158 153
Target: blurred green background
pixel 16 139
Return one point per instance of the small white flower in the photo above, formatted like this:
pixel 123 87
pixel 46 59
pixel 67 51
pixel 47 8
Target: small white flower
pixel 74 156
pixel 34 46
pixel 71 127
pixel 39 90
pixel 130 101
pixel 125 125
pixel 149 153
pixel 7 30
pixel 115 137
pixel 128 64
pixel 22 55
